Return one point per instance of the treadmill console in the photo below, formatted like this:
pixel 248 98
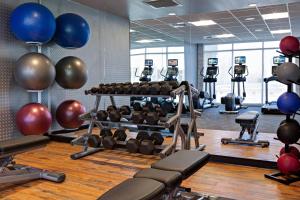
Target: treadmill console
pixel 212 61
pixel 173 62
pixel 240 60
pixel 277 60
pixel 149 62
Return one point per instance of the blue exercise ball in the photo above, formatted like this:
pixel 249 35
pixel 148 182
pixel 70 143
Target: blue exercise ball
pixel 72 31
pixel 32 23
pixel 288 103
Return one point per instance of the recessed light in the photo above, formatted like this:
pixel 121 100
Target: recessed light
pixel 275 15
pixel 149 40
pixel 223 36
pixel 172 14
pixel 258 30
pixel 281 31
pixel 252 5
pixel 178 26
pixel 203 23
pixel 180 23
pixel 132 31
pixel 250 19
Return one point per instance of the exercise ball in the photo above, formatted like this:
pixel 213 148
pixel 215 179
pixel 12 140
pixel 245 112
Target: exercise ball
pixel 34 71
pixel 33 119
pixel 32 23
pixel 71 72
pixel 288 73
pixel 288 164
pixel 288 131
pixel 67 114
pixel 72 31
pixel 289 45
pixel 288 103
pixel 291 150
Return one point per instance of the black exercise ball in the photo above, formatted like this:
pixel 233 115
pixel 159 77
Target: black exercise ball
pixel 288 73
pixel 71 72
pixel 289 131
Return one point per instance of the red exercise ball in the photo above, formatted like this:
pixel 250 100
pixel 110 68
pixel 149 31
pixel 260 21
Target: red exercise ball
pixel 33 119
pixel 289 45
pixel 292 150
pixel 67 114
pixel 288 164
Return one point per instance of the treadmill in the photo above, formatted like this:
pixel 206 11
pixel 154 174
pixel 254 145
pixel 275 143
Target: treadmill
pixel 270 107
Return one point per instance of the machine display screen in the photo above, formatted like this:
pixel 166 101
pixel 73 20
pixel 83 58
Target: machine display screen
pixel 240 60
pixel 277 60
pixel 212 61
pixel 148 62
pixel 173 62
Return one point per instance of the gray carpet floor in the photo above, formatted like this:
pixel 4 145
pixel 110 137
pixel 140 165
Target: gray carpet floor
pixel 212 119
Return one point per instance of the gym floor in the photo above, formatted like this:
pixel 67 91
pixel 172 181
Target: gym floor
pixel 212 119
pixel 93 175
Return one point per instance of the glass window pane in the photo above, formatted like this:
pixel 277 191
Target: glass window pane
pixel 136 63
pixel 137 51
pixel 159 62
pixel 271 44
pixel 156 50
pixel 253 85
pixel 223 85
pixel 176 49
pixel 217 47
pixel 248 45
pixel 180 57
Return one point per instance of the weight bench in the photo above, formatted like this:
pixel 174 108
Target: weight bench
pixel 10 172
pixel 248 122
pixel 162 180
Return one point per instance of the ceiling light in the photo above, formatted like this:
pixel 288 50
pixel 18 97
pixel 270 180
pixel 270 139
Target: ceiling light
pixel 281 31
pixel 149 40
pixel 224 36
pixel 275 15
pixel 203 23
pixel 180 23
pixel 258 30
pixel 172 14
pixel 252 5
pixel 250 19
pixel 178 26
pixel 158 40
pixel 132 31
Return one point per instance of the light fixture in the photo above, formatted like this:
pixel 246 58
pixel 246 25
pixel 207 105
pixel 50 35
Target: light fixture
pixel 223 36
pixel 281 31
pixel 178 26
pixel 250 19
pixel 180 23
pixel 172 14
pixel 149 40
pixel 275 15
pixel 252 5
pixel 258 30
pixel 203 23
pixel 132 31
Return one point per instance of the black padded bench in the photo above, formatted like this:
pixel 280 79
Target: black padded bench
pixel 248 122
pixel 163 179
pixel 12 173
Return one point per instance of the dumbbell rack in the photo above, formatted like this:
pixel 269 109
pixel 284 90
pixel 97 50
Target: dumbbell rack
pixel 175 120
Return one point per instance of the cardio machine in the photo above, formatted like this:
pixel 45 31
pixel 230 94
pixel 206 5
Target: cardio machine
pixel 147 71
pixel 232 102
pixel 209 79
pixel 172 71
pixel 271 107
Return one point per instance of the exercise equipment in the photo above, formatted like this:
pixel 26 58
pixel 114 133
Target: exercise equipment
pixel 71 72
pixel 152 118
pixel 133 144
pixel 111 108
pixel 163 179
pixel 114 116
pixel 34 71
pixel 288 73
pixel 289 131
pixel 94 141
pixel 291 150
pixel 147 71
pixel 137 117
pixel 110 142
pixel 248 122
pixel 33 119
pixel 125 110
pixel 102 115
pixel 12 173
pixel 288 103
pixel 154 88
pixel 32 23
pixel 68 112
pixel 137 106
pixel 147 146
pixel 232 102
pixel 105 132
pixel 289 45
pixel 288 164
pixel 209 80
pixel 72 31
pixel 172 70
pixel 270 107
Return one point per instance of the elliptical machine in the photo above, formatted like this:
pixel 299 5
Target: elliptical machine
pixel 209 79
pixel 147 71
pixel 172 71
pixel 232 102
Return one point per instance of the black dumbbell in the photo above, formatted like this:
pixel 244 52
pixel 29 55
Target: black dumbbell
pixel 115 116
pixel 119 88
pixel 167 107
pixel 144 88
pixel 127 88
pixel 148 107
pixel 111 108
pixel 111 88
pixel 136 88
pixel 125 110
pixel 94 141
pixel 154 88
pixel 160 111
pixel 109 142
pixel 102 115
pixel 147 146
pixel 166 88
pixel 105 132
pixel 93 90
pixel 137 106
pixel 132 144
pixel 137 117
pixel 152 118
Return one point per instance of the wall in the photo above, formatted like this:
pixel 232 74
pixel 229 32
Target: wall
pixel 106 56
pixel 200 56
pixel 191 63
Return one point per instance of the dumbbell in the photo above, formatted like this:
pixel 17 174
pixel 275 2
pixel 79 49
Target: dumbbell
pixel 136 88
pixel 105 132
pixel 147 146
pixel 127 88
pixel 154 88
pixel 116 115
pixel 137 117
pixel 160 111
pixel 102 115
pixel 132 144
pixel 93 90
pixel 109 142
pixel 137 106
pixel 165 88
pixel 144 88
pixel 125 110
pixel 111 88
pixel 152 118
pixel 167 107
pixel 94 141
pixel 111 108
pixel 119 88
pixel 148 107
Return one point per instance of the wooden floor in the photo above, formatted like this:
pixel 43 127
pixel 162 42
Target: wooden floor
pixel 90 177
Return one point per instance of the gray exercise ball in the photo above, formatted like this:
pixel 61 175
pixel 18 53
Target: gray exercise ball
pixel 34 71
pixel 288 73
pixel 71 72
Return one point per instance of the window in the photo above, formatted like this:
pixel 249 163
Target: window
pixel 137 51
pixel 271 44
pixel 176 49
pixel 218 47
pixel 249 45
pixel 137 65
pixel 156 50
pixel 180 57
